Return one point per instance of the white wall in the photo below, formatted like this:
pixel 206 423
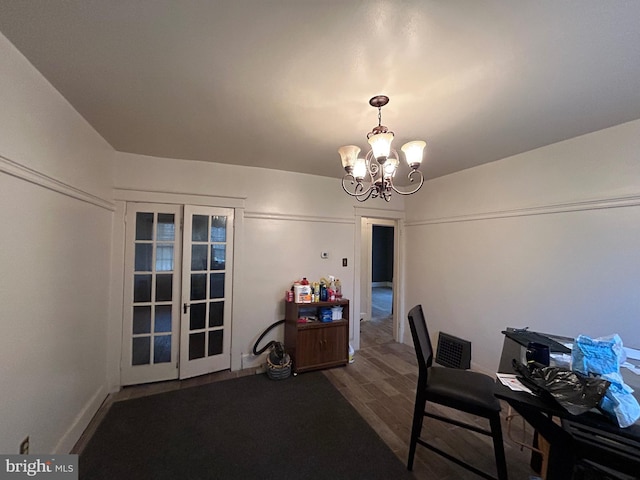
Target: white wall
pixel 288 220
pixel 547 239
pixel 55 217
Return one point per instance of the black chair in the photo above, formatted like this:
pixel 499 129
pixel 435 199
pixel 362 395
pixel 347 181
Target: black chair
pixel 463 390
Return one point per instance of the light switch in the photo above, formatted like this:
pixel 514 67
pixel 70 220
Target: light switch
pixel 344 262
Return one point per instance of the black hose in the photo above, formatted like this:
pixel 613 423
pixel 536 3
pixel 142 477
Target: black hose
pixel 255 347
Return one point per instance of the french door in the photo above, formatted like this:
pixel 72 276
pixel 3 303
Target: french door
pixel 205 339
pixel 177 292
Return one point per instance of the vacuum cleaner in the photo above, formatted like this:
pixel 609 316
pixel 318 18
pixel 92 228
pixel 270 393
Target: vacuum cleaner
pixel 278 361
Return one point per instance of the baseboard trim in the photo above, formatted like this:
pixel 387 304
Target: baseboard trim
pixel 81 422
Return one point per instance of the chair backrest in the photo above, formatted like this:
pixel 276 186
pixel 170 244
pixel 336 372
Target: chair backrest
pixel 421 340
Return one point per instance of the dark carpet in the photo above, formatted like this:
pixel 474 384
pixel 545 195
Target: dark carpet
pixel 246 428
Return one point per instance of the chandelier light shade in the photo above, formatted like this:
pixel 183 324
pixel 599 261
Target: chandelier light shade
pixel 372 176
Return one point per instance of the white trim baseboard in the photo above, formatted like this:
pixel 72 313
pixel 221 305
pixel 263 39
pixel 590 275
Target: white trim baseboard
pixel 81 422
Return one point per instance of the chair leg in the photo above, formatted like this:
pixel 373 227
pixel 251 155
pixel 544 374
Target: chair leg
pixel 498 447
pixel 416 429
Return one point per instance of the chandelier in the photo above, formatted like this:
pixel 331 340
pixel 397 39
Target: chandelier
pixel 372 176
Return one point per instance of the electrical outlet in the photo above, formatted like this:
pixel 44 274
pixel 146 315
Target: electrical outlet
pixel 24 447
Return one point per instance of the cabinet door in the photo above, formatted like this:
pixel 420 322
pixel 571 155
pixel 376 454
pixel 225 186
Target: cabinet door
pixel 309 348
pixel 321 347
pixel 334 344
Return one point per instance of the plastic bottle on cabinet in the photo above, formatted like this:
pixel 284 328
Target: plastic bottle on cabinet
pixel 324 294
pixel 338 286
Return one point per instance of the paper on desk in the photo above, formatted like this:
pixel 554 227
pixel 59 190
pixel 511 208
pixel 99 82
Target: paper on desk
pixel 632 353
pixel 561 360
pixel 631 367
pixel 510 380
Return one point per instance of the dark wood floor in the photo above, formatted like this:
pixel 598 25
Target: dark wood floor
pixel 380 384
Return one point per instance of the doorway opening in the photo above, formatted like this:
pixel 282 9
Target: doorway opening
pixel 382 249
pixel 379 322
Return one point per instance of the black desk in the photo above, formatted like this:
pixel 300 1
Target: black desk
pixel 590 436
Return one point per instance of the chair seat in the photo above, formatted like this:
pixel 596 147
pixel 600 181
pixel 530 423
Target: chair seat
pixel 462 389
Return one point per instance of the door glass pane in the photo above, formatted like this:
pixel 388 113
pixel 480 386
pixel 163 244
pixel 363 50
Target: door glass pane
pixel 141 354
pixel 196 345
pixel 218 228
pixel 162 321
pixel 164 287
pixel 141 320
pixel 218 253
pixel 215 342
pixel 198 286
pixel 144 226
pixel 162 349
pixel 166 227
pixel 199 226
pixel 144 255
pixel 164 258
pixel 217 285
pixel 197 316
pixel 198 257
pixel 141 288
pixel 216 314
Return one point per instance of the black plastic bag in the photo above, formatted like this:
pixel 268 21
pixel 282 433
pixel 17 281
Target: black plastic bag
pixel 573 391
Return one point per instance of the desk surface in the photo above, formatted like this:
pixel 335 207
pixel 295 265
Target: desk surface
pixel 511 350
pixel 620 444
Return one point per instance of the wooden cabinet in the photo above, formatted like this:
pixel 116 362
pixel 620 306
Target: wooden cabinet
pixel 316 345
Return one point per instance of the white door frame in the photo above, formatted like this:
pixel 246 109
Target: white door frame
pixel 365 219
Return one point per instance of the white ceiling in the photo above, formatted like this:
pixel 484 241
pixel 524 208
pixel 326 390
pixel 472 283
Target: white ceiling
pixel 283 83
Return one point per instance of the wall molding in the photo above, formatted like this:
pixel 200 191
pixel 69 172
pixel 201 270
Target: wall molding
pixel 165 196
pixel 34 177
pixel 298 218
pixel 565 207
pixel 184 198
pixel 379 213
